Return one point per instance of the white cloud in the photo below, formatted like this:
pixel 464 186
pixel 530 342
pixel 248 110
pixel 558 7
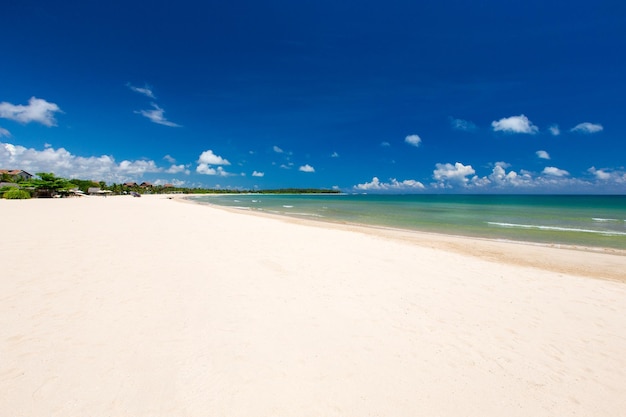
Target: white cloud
pixel 258 174
pixel 138 167
pixel 385 144
pixel 177 169
pixel 38 110
pixel 65 164
pixel 555 172
pixel 208 170
pixel 500 178
pixel 392 185
pixel 460 124
pixel 169 159
pixel 551 179
pixel 605 175
pixel 542 155
pixel 515 124
pixel 209 158
pixel 306 168
pixel 277 149
pixel 334 155
pixel 554 130
pixel 146 91
pixel 600 174
pixel 4 133
pixel 175 182
pixel 587 128
pixel 502 164
pixel 413 140
pixel 448 174
pixel 157 116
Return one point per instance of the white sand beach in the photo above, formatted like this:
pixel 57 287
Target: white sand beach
pixel 151 307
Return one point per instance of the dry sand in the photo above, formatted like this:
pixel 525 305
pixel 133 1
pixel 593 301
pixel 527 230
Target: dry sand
pixel 148 307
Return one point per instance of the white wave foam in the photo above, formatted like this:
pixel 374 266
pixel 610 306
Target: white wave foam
pixel 600 219
pixel 287 206
pixel 556 228
pixel 309 214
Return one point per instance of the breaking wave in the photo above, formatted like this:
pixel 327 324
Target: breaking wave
pixel 557 228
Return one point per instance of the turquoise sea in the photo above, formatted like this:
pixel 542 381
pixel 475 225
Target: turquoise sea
pixel 587 220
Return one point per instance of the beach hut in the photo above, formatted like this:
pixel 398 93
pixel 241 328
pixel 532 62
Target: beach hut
pixel 16 174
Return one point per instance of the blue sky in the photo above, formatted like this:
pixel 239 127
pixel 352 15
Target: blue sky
pixel 369 96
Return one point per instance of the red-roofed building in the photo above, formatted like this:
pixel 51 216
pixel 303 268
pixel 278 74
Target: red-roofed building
pixel 16 174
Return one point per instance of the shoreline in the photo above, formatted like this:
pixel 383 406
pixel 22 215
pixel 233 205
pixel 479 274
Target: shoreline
pixel 484 235
pixel 601 263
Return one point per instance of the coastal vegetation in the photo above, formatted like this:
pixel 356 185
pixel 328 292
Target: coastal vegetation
pixel 46 184
pixel 14 193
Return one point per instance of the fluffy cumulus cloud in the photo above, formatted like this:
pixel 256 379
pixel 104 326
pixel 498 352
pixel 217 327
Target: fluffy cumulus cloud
pixel 207 159
pixel 447 174
pixel 503 179
pixel 500 178
pixel 177 169
pixel 277 149
pixel 600 174
pixel 413 140
pixel 392 185
pixel 306 168
pixel 542 155
pixel 156 115
pixel 555 172
pixel 551 179
pixel 618 177
pixel 146 91
pixel 587 128
pixel 37 110
pixel 65 164
pixel 515 124
pixel 208 170
pixel 138 167
pixel 460 124
pixel 258 174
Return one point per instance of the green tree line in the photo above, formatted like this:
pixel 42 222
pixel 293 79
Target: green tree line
pixel 46 184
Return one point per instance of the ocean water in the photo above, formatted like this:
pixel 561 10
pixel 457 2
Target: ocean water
pixel 595 221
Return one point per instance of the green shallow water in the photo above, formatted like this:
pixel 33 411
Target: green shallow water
pixel 596 221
